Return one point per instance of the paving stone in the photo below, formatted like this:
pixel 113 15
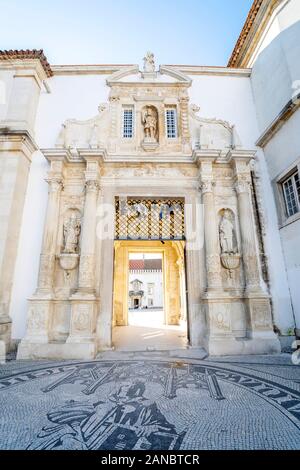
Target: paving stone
pixel 143 402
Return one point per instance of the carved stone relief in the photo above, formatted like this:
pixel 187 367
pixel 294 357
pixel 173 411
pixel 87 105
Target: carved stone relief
pixel 230 258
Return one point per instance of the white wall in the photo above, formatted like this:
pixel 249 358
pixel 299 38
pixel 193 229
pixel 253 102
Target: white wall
pixel 281 153
pixel 275 77
pixel 276 65
pixel 30 241
pixel 6 83
pixel 72 96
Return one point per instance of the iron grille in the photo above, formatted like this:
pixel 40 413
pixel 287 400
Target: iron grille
pixel 149 219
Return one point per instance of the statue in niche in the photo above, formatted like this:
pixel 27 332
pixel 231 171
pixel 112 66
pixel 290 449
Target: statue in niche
pixel 72 227
pixel 227 234
pixel 149 64
pixel 149 121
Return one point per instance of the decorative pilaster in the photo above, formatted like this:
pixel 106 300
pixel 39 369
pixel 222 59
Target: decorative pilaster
pixel 41 304
pixel 249 245
pixel 213 266
pixel 114 100
pixel 184 121
pixel 84 302
pixel 47 258
pixel 259 317
pixel 86 281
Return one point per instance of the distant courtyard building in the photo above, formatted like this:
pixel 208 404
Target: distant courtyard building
pixel 145 283
pixel 197 164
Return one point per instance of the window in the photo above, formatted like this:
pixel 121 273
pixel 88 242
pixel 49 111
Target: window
pixel 150 288
pixel 291 192
pixel 171 123
pixel 128 122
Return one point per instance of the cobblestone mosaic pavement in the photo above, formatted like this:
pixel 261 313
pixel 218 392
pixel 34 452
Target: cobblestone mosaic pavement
pixel 151 402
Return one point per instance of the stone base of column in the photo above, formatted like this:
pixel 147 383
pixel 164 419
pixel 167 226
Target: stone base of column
pixel 81 342
pixel 5 336
pixel 235 326
pixel 225 314
pixel 242 346
pixel 37 329
pixel 84 307
pixel 57 351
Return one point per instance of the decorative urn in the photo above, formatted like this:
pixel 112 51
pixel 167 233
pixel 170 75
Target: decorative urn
pixel 68 261
pixel 230 261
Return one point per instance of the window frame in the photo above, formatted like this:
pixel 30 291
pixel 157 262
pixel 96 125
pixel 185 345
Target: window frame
pixel 295 192
pixel 280 199
pixel 128 107
pixel 174 109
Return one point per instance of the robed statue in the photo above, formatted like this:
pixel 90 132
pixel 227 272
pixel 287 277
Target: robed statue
pixel 227 234
pixel 72 229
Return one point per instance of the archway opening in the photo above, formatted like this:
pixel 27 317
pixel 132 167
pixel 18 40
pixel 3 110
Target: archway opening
pixel 150 311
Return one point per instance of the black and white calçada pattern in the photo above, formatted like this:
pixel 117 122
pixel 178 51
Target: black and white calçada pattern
pixel 146 405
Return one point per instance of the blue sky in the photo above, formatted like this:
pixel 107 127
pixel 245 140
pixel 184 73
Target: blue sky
pixel 195 32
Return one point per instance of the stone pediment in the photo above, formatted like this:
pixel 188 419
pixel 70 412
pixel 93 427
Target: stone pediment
pixel 165 76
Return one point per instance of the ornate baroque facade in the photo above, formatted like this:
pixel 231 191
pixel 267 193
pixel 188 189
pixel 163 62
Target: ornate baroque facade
pixel 150 141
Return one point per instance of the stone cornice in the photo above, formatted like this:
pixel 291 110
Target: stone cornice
pixel 102 69
pixel 253 29
pixel 92 69
pixel 16 57
pixel 287 111
pixel 205 155
pixel 57 154
pixel 240 154
pixel 211 70
pixel 17 141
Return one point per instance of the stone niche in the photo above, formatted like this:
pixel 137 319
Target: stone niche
pixel 229 248
pixel 150 125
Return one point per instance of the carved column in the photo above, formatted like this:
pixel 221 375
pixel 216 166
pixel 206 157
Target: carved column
pixel 249 246
pixel 86 280
pixel 84 302
pixel 184 120
pixel 254 281
pixel 40 310
pixel 259 318
pixel 213 266
pixel 47 258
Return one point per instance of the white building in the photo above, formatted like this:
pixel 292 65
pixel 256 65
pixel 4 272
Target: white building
pixel 216 149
